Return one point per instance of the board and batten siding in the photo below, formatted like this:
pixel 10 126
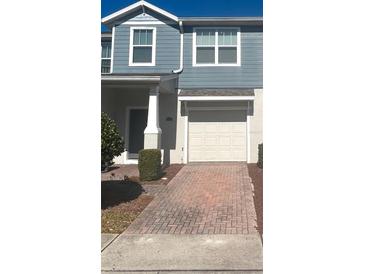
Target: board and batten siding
pixel 248 75
pixel 167 47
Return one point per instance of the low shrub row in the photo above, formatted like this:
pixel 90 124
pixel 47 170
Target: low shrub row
pixel 260 162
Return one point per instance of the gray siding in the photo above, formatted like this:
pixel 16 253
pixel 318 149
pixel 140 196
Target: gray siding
pixel 167 47
pixel 248 75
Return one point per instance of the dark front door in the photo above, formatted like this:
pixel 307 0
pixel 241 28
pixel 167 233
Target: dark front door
pixel 137 125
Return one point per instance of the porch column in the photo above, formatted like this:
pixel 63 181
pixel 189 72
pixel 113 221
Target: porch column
pixel 152 133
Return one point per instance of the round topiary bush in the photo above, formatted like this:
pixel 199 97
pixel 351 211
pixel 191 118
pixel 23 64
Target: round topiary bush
pixel 112 144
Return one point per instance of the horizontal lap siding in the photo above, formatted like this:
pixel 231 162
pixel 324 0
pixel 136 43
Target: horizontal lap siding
pixel 167 50
pixel 248 75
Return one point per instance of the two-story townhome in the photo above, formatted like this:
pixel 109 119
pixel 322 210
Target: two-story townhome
pixel 190 86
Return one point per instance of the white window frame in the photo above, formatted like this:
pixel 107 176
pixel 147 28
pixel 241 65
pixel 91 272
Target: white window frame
pixel 131 47
pixel 216 47
pixel 108 58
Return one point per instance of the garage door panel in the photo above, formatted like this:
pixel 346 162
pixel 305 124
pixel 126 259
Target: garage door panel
pixel 238 128
pixel 217 136
pixel 236 141
pixel 211 141
pixel 225 140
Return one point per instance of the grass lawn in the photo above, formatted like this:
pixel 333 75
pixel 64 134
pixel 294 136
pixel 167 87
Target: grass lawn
pixel 257 178
pixel 123 200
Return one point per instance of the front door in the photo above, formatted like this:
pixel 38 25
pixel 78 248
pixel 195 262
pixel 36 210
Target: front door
pixel 137 125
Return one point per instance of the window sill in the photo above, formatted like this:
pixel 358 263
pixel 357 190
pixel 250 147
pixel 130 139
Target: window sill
pixel 216 65
pixel 142 65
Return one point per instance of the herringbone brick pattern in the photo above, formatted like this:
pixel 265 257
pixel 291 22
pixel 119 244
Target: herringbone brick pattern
pixel 214 198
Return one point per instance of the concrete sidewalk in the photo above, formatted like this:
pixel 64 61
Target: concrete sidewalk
pixel 155 253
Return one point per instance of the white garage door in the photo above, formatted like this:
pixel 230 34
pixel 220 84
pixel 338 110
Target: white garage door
pixel 218 135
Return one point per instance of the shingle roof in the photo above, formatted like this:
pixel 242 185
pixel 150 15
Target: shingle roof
pixel 218 92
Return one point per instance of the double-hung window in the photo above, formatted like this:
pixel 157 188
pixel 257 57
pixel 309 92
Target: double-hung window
pixel 142 49
pixel 106 49
pixel 216 47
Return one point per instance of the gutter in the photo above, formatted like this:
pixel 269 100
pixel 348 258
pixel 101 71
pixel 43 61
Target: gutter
pixel 180 70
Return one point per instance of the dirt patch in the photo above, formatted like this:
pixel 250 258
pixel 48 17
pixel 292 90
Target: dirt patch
pixel 122 200
pixel 116 219
pixel 256 175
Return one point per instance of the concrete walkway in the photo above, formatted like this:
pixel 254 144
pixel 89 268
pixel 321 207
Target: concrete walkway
pixel 202 221
pixel 153 252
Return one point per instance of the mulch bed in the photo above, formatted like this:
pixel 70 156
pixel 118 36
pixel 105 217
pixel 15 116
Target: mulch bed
pixel 256 175
pixel 168 173
pixel 122 200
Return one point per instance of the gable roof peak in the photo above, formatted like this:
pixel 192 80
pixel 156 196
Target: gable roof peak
pixel 120 13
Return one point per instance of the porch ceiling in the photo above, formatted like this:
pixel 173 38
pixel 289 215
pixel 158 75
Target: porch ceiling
pixel 165 81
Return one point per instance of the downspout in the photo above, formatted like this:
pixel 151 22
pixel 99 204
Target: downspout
pixel 178 71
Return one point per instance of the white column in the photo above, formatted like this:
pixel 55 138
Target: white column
pixel 186 133
pixel 152 133
pixel 248 133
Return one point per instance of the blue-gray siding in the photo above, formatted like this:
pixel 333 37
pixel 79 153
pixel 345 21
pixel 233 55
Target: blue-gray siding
pixel 248 75
pixel 167 45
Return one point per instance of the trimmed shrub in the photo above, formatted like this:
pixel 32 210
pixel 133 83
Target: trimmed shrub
pixel 260 162
pixel 112 144
pixel 149 164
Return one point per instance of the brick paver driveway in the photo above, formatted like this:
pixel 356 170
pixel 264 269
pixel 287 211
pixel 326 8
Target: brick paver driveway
pixel 214 198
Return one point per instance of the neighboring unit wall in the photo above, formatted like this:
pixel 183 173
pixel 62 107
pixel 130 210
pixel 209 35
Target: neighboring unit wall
pixel 249 74
pixel 256 125
pixel 167 44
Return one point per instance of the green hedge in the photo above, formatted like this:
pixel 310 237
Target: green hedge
pixel 260 162
pixel 149 164
pixel 112 144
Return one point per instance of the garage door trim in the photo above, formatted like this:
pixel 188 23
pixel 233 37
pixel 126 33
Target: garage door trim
pixel 188 110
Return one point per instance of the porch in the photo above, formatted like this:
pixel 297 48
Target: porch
pixel 145 109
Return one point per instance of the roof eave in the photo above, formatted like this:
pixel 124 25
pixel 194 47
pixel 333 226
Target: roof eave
pixel 221 20
pixel 116 15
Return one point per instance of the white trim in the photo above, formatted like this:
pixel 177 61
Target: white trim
pixel 248 138
pixel 217 108
pixel 131 47
pixel 128 110
pixel 153 79
pixel 134 6
pixel 216 98
pixel 216 47
pixel 144 23
pixel 186 133
pixel 112 49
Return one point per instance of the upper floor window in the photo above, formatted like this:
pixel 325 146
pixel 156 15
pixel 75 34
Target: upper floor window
pixel 216 47
pixel 142 46
pixel 106 49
